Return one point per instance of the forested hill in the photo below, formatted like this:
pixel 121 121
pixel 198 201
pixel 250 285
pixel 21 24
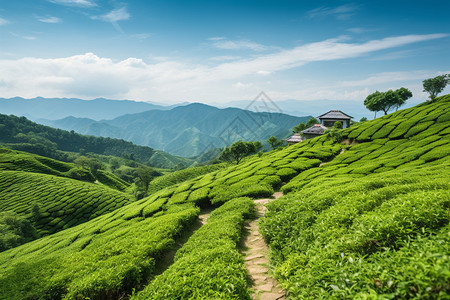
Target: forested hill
pixel 22 134
pixel 187 130
pixel 58 108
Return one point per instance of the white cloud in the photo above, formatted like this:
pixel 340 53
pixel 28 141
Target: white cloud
pixel 90 76
pixel 78 3
pixel 114 16
pixel 225 57
pixel 342 12
pixel 3 22
pixel 241 85
pixel 52 20
pixel 120 14
pixel 140 36
pixel 237 45
pixel 216 38
pixel 25 37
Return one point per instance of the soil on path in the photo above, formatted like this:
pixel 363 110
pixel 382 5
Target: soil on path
pixel 256 255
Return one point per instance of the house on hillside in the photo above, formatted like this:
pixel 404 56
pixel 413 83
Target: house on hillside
pixel 313 131
pixel 328 119
pixel 296 138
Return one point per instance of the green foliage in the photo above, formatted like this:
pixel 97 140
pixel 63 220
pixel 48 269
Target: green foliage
pixel 63 202
pixel 15 230
pixel 311 122
pixel 373 221
pixel 435 85
pixel 239 150
pixel 385 101
pixel 364 218
pixel 21 134
pixel 103 259
pixel 370 220
pixel 274 142
pixel 300 127
pixel 167 180
pixel 209 265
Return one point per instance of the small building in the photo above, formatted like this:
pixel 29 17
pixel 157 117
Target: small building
pixel 296 138
pixel 313 131
pixel 328 119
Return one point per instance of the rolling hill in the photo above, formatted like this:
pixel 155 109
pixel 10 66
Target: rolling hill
pixel 187 130
pixel 364 215
pixel 54 195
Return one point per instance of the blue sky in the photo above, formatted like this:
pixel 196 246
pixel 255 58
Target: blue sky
pixel 218 51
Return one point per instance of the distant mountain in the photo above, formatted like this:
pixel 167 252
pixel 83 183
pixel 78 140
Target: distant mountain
pixel 58 108
pixel 187 130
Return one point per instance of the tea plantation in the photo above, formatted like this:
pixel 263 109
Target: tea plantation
pixel 363 218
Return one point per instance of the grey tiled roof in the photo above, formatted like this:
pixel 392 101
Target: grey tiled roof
pixel 296 138
pixel 335 114
pixel 315 129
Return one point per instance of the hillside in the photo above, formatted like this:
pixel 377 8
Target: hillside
pixel 354 222
pixel 21 134
pixel 58 108
pixel 54 195
pixel 187 130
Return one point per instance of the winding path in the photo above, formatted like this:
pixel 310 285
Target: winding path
pixel 256 255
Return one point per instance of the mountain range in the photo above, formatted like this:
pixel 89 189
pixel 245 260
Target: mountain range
pixel 188 130
pixel 58 108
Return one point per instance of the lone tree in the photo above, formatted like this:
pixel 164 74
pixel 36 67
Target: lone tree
pixel 385 101
pixel 144 174
pixel 311 122
pixel 239 150
pixel 435 85
pixel 299 127
pixel 274 142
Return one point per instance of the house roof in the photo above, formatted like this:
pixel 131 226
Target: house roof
pixel 335 115
pixel 296 138
pixel 317 129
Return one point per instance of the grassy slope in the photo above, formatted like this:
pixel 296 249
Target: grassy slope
pixel 12 160
pixel 374 220
pixel 118 237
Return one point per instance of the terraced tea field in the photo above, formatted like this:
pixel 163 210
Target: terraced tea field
pixel 364 218
pixel 62 202
pixel 12 160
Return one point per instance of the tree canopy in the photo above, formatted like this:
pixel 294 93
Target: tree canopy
pixel 239 150
pixel 385 101
pixel 299 127
pixel 274 142
pixel 435 85
pixel 311 122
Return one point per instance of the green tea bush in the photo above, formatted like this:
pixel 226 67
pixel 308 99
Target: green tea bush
pixel 105 259
pixel 286 173
pixel 179 198
pixel 209 265
pixel 19 189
